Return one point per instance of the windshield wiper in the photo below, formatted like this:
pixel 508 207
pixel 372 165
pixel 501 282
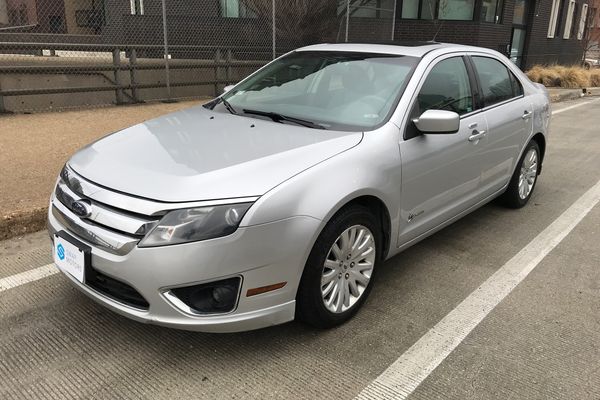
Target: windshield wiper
pixel 212 104
pixel 280 117
pixel 228 106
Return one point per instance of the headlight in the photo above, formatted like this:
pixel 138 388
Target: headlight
pixel 194 224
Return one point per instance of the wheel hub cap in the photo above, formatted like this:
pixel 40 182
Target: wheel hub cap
pixel 348 268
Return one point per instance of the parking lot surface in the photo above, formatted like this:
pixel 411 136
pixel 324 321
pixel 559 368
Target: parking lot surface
pixel 542 340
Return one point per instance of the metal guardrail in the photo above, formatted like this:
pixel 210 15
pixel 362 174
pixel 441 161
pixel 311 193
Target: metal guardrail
pixel 222 63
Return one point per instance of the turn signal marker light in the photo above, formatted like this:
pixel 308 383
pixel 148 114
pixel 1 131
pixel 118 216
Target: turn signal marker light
pixel 265 289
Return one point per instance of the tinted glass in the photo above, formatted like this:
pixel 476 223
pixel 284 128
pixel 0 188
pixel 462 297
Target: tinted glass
pixel 447 88
pixel 491 11
pixel 516 85
pixel 520 13
pixel 339 90
pixel 410 9
pixel 456 9
pixel 494 80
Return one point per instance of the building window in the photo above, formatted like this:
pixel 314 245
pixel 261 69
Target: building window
pixel 491 11
pixel 410 9
pixel 520 14
pixel 460 10
pixel 371 9
pixel 137 7
pixel 553 18
pixel 592 17
pixel 428 9
pixel 236 9
pixel 570 17
pixel 581 30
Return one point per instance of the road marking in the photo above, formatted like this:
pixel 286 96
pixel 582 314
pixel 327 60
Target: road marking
pixel 401 378
pixel 28 276
pixel 573 106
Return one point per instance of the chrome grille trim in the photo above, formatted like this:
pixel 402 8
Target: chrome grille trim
pixel 110 241
pixel 138 205
pixel 107 216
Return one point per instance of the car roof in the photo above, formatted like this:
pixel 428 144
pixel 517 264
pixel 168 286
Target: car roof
pixel 415 49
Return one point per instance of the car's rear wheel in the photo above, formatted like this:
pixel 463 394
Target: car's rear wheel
pixel 523 181
pixel 338 275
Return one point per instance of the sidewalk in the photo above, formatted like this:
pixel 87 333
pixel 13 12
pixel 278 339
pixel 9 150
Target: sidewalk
pixel 34 147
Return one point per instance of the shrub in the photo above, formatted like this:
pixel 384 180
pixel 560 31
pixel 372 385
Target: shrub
pixel 595 78
pixel 564 76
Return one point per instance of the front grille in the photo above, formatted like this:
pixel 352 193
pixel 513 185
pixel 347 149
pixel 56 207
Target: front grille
pixel 115 289
pixel 90 213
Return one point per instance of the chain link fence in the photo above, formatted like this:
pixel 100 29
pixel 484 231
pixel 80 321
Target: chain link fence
pixel 57 54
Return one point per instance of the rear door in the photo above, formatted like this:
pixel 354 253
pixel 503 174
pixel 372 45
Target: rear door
pixel 509 115
pixel 441 172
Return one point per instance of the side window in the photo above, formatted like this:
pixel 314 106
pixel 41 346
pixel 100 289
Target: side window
pixel 516 85
pixel 446 88
pixel 494 79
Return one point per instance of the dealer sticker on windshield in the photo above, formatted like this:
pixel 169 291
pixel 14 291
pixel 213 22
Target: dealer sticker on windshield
pixel 69 258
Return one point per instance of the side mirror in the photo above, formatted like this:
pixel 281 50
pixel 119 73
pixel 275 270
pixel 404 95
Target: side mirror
pixel 227 88
pixel 438 121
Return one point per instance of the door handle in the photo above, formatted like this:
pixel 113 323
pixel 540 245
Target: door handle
pixel 476 135
pixel 526 114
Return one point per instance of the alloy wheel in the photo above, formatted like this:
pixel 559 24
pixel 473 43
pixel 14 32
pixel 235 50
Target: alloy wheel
pixel 528 173
pixel 348 268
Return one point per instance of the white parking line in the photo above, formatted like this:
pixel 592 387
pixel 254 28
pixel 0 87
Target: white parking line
pixel 28 276
pixel 401 378
pixel 574 106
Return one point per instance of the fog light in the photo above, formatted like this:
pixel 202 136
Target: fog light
pixel 210 298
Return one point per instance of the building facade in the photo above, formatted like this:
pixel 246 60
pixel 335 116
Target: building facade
pixel 528 31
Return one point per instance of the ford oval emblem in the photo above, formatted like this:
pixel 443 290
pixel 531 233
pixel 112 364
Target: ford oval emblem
pixel 81 208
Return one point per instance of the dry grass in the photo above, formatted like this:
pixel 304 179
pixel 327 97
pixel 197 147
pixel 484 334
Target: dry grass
pixel 564 76
pixel 595 78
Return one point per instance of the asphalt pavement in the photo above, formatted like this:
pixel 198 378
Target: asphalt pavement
pixel 541 341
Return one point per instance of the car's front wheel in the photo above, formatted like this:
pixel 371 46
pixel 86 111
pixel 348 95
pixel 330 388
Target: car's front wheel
pixel 338 275
pixel 523 181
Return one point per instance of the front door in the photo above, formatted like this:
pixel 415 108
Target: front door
pixel 441 172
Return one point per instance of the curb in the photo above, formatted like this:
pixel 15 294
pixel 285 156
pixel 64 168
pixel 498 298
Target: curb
pixel 558 95
pixel 23 222
pixel 566 94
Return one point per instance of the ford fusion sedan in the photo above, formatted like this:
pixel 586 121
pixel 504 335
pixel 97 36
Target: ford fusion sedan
pixel 281 198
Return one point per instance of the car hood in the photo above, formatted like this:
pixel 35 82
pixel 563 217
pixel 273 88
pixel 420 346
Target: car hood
pixel 198 154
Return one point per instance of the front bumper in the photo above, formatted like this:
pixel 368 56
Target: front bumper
pixel 262 255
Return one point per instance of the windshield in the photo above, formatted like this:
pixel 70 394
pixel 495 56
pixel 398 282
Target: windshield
pixel 334 90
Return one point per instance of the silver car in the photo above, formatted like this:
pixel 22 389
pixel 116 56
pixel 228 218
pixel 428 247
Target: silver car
pixel 281 198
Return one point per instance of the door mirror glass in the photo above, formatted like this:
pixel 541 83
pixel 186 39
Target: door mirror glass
pixel 227 88
pixel 438 121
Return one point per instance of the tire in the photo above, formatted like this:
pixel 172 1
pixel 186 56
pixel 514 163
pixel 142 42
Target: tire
pixel 322 310
pixel 517 196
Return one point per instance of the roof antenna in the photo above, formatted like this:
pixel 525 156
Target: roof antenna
pixel 438 30
pixel 442 9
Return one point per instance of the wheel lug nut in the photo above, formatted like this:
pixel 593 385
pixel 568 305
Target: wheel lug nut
pixel 340 275
pixel 352 265
pixel 349 256
pixel 347 276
